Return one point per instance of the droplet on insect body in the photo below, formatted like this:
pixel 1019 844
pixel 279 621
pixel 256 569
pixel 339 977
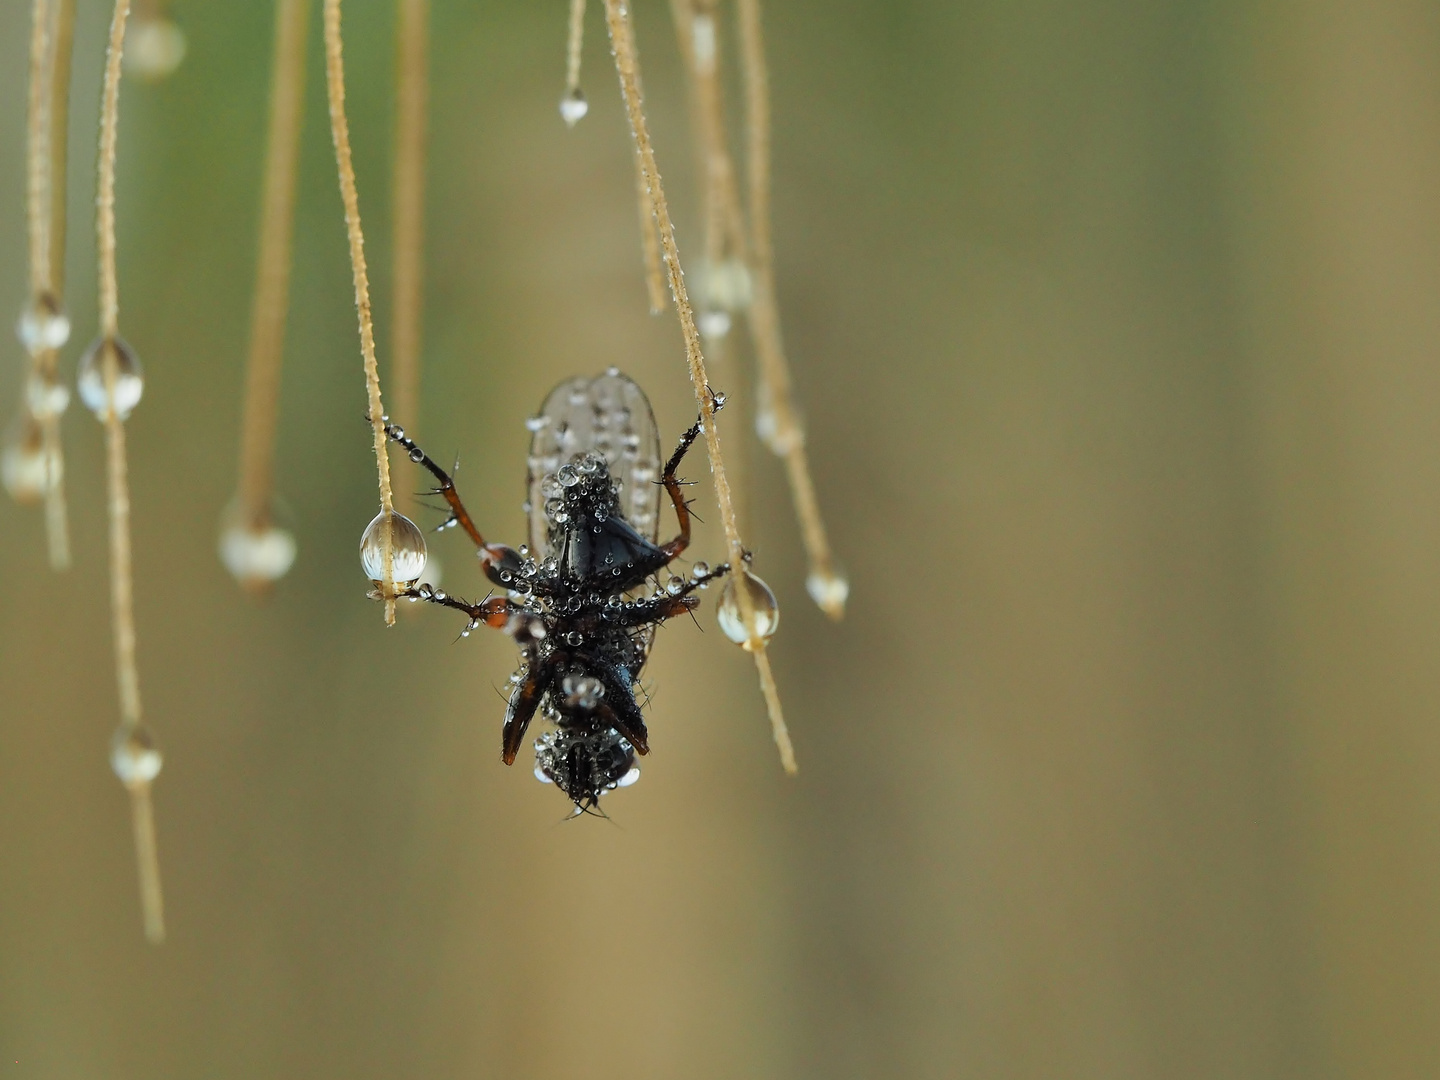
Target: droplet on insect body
pixel 43 327
pixel 731 616
pixel 129 377
pixel 27 469
pixel 134 755
pixel 829 590
pixel 256 557
pixel 407 549
pixel 154 49
pixel 573 107
pixel 700 570
pixel 630 777
pixel 582 691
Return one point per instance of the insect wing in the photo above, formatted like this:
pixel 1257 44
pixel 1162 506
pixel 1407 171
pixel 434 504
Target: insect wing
pixel 607 414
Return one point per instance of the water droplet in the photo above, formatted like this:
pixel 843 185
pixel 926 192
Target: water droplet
pixel 407 549
pixel 154 48
pixel 726 286
pixel 255 555
pixel 829 590
pixel 46 396
pixel 567 475
pixel 537 423
pixel 27 470
pixel 417 455
pixel 90 377
pixel 134 755
pixel 702 36
pixel 582 691
pixel 714 324
pixel 43 327
pixel 574 638
pixel 675 586
pixel 612 371
pixel 630 777
pixel 523 551
pixel 731 616
pixel 550 487
pixel 700 570
pixel 573 107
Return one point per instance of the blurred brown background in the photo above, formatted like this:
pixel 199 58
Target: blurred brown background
pixel 1117 327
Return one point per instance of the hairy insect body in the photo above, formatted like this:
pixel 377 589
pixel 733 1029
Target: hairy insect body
pixel 583 601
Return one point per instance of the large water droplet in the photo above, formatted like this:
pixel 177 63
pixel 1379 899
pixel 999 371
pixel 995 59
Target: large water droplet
pixel 28 471
pixel 829 590
pixel 407 549
pixel 573 107
pixel 90 377
pixel 134 755
pixel 630 777
pixel 154 48
pixel 731 615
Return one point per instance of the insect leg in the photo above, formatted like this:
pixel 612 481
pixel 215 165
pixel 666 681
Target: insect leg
pixel 667 607
pixel 523 703
pixel 620 710
pixel 493 611
pixel 672 484
pixel 491 555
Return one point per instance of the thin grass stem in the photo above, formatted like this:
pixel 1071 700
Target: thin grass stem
pixel 122 580
pixel 340 133
pixel 785 434
pixel 272 273
pixel 46 129
pixel 623 45
pixel 412 93
pixel 574 46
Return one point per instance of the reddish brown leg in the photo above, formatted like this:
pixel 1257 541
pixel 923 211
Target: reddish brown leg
pixel 523 703
pixel 491 555
pixel 673 548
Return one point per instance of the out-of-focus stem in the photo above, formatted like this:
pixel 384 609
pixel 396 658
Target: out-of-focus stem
pixel 272 273
pixel 622 42
pixel 574 45
pixel 46 132
pixel 122 579
pixel 409 205
pixel 787 436
pixel 340 133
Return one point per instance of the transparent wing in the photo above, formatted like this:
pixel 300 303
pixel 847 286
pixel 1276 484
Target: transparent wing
pixel 610 415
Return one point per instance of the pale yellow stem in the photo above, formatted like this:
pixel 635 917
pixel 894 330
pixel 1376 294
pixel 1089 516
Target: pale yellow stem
pixel 105 192
pixel 788 436
pixel 147 858
pixel 409 203
pixel 46 129
pixel 122 577
pixel 574 45
pixel 622 42
pixel 340 132
pixel 272 273
pixel 37 172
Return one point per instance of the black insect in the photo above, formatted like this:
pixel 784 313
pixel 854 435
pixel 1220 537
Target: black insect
pixel 583 599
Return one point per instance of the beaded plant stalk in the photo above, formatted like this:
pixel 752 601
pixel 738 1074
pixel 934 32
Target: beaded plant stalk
pixel 110 383
pixel 392 549
pixel 253 547
pixel 32 463
pixel 752 615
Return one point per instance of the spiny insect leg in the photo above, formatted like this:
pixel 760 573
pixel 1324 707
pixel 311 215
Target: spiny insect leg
pixel 672 484
pixel 491 555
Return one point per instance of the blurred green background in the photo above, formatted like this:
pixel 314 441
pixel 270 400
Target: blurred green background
pixel 1117 328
